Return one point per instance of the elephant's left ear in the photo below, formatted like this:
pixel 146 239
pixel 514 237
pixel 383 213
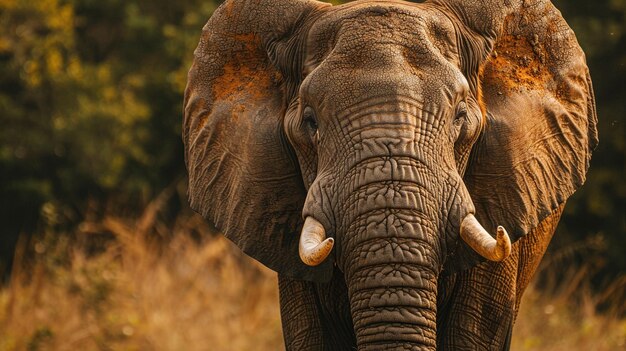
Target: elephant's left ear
pixel 540 127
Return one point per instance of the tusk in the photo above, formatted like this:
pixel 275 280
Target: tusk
pixel 314 247
pixel 484 244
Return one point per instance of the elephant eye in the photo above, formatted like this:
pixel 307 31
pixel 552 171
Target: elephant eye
pixel 461 113
pixel 310 121
pixel 311 124
pixel 459 121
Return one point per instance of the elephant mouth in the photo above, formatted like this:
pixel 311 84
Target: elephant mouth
pixel 315 247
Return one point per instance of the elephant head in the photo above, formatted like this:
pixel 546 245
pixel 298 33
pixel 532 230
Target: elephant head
pixel 386 138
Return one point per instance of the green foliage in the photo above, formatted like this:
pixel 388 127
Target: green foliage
pixel 91 97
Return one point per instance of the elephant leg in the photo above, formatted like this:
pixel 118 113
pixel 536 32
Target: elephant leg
pixel 316 316
pixel 477 307
pixel 335 314
pixel 479 310
pixel 299 313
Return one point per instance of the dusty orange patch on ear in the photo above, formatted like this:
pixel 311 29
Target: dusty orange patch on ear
pixel 517 62
pixel 248 74
pixel 228 8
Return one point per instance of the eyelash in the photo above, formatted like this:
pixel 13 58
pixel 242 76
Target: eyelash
pixel 461 112
pixel 310 123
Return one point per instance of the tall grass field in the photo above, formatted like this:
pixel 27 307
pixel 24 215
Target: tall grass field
pixel 134 290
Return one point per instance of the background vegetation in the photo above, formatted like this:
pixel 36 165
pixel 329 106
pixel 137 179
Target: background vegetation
pixel 92 176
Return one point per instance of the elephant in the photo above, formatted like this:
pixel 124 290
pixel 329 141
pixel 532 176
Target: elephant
pixel 401 166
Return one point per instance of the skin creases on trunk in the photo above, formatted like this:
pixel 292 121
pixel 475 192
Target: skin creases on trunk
pixel 391 261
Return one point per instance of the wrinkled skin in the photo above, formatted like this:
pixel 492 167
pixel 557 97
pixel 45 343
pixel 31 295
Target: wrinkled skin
pixel 388 123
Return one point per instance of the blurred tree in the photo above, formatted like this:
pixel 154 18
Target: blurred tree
pixel 91 100
pixel 599 208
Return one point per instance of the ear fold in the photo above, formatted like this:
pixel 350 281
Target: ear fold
pixel 243 176
pixel 541 122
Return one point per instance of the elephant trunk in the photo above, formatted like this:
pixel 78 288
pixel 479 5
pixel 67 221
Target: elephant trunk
pixel 391 268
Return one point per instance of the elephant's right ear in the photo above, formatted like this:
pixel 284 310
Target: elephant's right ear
pixel 243 176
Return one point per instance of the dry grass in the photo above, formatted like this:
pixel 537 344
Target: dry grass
pixel 567 314
pixel 139 296
pixel 185 295
pixel 553 323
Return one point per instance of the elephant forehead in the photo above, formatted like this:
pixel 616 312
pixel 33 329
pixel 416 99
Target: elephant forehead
pixel 342 81
pixel 385 49
pixel 423 32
